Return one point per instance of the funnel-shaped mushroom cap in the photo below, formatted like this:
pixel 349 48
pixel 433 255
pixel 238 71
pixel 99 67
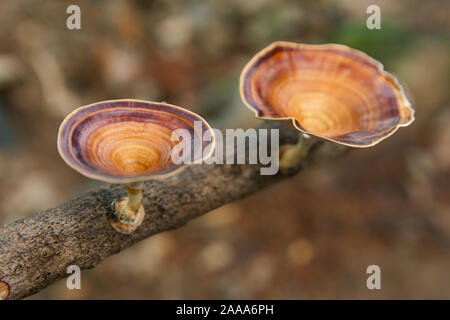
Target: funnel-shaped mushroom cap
pixel 330 91
pixel 123 141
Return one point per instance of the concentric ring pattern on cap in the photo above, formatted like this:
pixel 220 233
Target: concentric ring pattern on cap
pixel 121 141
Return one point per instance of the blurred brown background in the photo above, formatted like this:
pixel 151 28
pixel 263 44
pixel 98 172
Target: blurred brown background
pixel 309 237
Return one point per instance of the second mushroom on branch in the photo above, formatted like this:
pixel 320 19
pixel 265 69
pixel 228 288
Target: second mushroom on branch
pixel 330 91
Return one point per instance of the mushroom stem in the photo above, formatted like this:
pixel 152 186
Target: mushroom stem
pixel 134 190
pixel 128 212
pixel 291 155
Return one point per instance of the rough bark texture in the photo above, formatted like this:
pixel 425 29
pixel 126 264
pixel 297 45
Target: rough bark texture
pixel 36 251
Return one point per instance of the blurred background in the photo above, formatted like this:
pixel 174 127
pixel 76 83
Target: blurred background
pixel 311 236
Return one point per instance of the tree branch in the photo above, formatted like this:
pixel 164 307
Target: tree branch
pixel 35 252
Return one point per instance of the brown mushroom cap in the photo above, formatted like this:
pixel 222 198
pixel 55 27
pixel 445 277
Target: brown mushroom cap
pixel 330 91
pixel 122 141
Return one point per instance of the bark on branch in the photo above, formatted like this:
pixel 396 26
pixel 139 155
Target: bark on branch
pixel 35 252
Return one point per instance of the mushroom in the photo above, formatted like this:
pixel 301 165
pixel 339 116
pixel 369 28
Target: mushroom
pixel 329 91
pixel 130 141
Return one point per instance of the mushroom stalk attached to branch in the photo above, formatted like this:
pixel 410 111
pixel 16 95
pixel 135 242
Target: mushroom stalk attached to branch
pixel 291 155
pixel 128 212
